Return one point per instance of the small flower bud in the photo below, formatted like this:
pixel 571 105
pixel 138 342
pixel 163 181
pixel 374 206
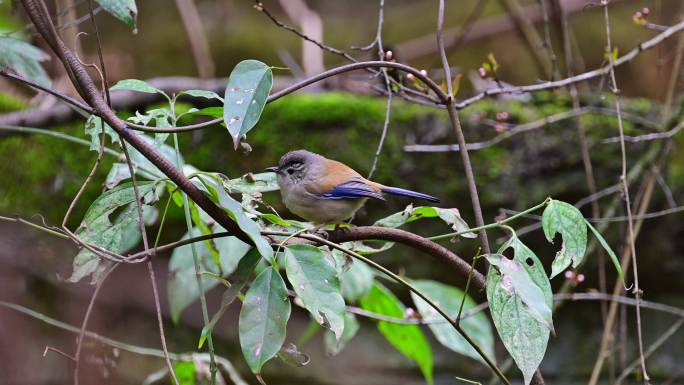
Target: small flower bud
pixel 411 78
pixel 645 11
pixel 500 127
pixel 423 72
pixel 482 72
pixel 580 278
pixel 569 274
pixel 502 116
pixel 389 56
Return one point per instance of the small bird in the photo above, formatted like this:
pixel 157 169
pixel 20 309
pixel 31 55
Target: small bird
pixel 326 191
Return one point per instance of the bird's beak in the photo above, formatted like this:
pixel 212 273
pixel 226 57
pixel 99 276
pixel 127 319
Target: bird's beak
pixel 271 169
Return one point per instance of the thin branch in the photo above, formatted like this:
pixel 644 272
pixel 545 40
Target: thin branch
pixel 625 190
pixel 648 137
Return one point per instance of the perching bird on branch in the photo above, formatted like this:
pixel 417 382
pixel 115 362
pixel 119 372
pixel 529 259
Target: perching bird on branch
pixel 325 191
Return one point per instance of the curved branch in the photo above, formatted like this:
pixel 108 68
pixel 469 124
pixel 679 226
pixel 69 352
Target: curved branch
pixel 86 88
pixel 363 233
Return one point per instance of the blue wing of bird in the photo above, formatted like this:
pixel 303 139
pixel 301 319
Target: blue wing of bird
pixel 353 189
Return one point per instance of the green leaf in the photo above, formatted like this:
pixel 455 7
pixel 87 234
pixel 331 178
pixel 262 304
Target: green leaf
pixel 611 253
pixel 523 336
pixel 334 346
pixel 203 94
pixel 185 372
pixel 243 273
pixel 214 112
pixel 356 278
pixel 124 10
pixel 99 229
pixel 93 127
pixel 119 172
pixel 263 319
pixel 237 213
pixel 23 58
pixel 315 281
pixel 252 183
pixel 566 219
pixel 408 339
pixel 517 281
pixel 451 217
pixel 449 298
pixel 136 85
pixel 182 285
pixel 248 87
pixel 274 219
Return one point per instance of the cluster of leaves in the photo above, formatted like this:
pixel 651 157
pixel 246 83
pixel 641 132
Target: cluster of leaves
pixel 320 280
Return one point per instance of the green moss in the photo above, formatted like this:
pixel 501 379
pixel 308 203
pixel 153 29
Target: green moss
pixel 45 173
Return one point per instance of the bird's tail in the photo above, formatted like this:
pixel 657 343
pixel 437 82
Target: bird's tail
pixel 407 193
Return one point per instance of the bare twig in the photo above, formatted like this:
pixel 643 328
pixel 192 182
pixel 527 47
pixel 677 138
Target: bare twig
pixel 197 37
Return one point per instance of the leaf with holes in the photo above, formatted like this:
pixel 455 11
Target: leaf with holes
pixel 114 234
pixel 263 319
pixel 449 298
pixel 124 10
pixel 315 281
pixel 408 339
pixel 566 219
pixel 451 217
pixel 23 58
pixel 246 93
pixel 523 335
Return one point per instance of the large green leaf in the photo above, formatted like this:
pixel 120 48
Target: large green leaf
pixel 451 217
pixel 315 281
pixel 263 319
pixel 332 344
pixel 524 337
pixel 23 58
pixel 408 339
pixel 124 10
pixel 242 275
pixel 182 285
pixel 564 218
pixel 117 235
pixel 248 87
pixel 449 298
pixel 518 282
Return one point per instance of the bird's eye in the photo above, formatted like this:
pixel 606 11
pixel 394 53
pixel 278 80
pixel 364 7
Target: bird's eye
pixel 290 171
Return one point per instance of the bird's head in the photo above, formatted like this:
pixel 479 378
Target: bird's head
pixel 294 166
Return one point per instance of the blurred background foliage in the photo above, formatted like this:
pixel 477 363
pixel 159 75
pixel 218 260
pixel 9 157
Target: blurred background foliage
pixel 40 175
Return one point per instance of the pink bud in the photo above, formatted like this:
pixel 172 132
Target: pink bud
pixel 423 72
pixel 569 274
pixel 580 278
pixel 482 72
pixel 410 313
pixel 502 116
pixel 500 127
pixel 411 78
pixel 645 11
pixel 389 55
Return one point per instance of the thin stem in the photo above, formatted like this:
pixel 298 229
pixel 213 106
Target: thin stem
pixel 492 225
pixel 198 270
pixel 623 179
